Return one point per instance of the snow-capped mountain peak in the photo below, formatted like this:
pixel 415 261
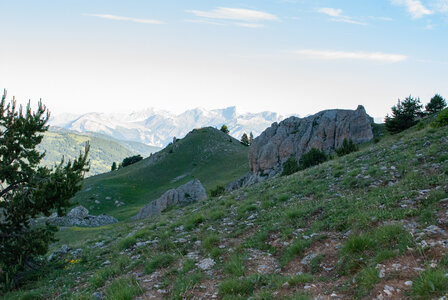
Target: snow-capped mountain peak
pixel 157 127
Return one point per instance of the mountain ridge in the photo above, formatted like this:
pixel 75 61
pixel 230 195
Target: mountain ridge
pixel 158 127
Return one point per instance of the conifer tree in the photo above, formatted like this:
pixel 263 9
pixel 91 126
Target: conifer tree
pixel 225 129
pixel 29 190
pixel 245 139
pixel 436 104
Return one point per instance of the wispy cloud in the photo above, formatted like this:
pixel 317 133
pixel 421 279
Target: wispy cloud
pixel 249 25
pixel 440 5
pixel 240 14
pixel 332 12
pixel 121 18
pixel 414 7
pixel 201 21
pixel 339 55
pixel 337 16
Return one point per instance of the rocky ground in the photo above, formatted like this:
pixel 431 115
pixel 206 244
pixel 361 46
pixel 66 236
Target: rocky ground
pixel 372 224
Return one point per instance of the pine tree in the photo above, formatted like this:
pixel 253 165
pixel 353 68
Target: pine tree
pixel 436 104
pixel 245 140
pixel 225 129
pixel 29 190
pixel 404 115
pixel 114 166
pixel 251 138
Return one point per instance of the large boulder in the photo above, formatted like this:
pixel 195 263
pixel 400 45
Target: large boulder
pixel 187 193
pixel 79 216
pixel 294 136
pixel 79 212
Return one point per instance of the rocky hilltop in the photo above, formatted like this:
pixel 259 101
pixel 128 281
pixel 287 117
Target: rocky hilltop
pixel 325 130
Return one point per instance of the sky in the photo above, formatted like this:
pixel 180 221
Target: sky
pixel 287 56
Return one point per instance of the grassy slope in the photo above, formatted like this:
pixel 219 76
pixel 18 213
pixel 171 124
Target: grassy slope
pixel 103 151
pixel 206 154
pixel 354 212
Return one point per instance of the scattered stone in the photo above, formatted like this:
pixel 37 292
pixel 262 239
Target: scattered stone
pixel 206 264
pixel 98 245
pixel 408 283
pixel 307 259
pixel 98 295
pixel 58 253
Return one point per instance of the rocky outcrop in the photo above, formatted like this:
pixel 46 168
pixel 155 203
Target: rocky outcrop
pixel 325 130
pixel 79 216
pixel 187 193
pixel 247 180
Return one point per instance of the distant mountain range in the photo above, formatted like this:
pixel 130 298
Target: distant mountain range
pixel 157 127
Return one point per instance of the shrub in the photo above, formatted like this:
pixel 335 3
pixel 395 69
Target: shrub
pixel 290 166
pixel 131 160
pixel 217 191
pixel 441 120
pixel 312 158
pixel 404 115
pixel 347 147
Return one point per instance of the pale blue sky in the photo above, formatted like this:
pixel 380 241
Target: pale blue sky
pixel 289 56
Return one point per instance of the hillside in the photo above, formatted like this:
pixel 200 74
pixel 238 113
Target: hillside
pixel 370 224
pixel 104 150
pixel 207 154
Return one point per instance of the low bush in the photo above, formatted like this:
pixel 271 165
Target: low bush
pixel 290 166
pixel 441 120
pixel 312 158
pixel 217 191
pixel 347 147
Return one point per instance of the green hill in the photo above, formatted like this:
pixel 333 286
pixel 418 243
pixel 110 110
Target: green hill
pixel 208 154
pixel 374 222
pixel 58 143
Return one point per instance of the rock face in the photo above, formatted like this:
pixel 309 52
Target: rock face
pixel 79 216
pixel 187 193
pixel 325 130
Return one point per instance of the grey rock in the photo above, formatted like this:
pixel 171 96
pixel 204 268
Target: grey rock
pixel 58 253
pixel 79 212
pixel 98 295
pixel 79 216
pixel 190 192
pixel 247 180
pixel 206 264
pixel 294 136
pixel 307 259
